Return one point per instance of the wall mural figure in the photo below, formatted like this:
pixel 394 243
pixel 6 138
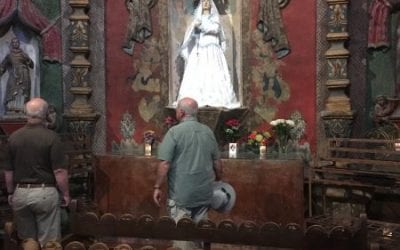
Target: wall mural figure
pixel 139 24
pixel 146 79
pixel 271 25
pixel 127 145
pixel 145 66
pixel 18 89
pixel 206 75
pixel 378 30
pixel 269 85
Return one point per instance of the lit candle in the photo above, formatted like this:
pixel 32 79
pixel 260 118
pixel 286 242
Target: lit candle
pixel 397 145
pixel 147 149
pixel 232 150
pixel 263 151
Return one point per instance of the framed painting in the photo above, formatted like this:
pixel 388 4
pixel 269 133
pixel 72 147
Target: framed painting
pixel 185 32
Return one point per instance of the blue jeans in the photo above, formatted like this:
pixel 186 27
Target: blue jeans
pixel 196 214
pixel 37 213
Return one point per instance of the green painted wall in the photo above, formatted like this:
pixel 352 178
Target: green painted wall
pixel 51 86
pixel 381 69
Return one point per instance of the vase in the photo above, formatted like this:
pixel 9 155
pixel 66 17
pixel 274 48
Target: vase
pixel 283 143
pixel 233 148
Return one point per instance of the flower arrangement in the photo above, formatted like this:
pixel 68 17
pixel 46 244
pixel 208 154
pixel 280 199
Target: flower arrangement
pixel 149 137
pixel 282 132
pixel 258 138
pixel 232 130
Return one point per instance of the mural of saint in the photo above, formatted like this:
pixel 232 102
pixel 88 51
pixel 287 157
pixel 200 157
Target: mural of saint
pixel 206 76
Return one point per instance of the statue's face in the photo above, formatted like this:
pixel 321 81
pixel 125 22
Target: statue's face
pixel 206 5
pixel 15 43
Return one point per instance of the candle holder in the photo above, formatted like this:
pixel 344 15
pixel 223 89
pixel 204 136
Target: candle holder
pixel 233 147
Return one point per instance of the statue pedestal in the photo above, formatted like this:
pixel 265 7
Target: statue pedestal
pixel 9 125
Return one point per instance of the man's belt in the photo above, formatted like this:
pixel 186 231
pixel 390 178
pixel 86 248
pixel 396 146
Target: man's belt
pixel 34 185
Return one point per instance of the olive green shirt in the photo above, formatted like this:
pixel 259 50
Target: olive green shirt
pixel 190 147
pixel 34 152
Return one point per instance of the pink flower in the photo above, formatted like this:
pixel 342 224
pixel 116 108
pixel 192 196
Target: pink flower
pixel 232 123
pixel 232 130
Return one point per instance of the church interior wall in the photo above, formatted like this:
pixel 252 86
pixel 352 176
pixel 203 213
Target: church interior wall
pixel 131 90
pixel 296 72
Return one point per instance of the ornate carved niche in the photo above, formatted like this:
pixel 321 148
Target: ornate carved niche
pixel 181 18
pixel 38 39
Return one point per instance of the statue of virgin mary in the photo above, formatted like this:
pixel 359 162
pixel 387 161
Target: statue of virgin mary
pixel 206 76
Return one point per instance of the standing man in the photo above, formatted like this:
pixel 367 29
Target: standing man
pixel 190 157
pixel 35 168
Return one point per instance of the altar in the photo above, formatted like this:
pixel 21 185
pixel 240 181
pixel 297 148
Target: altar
pixel 266 190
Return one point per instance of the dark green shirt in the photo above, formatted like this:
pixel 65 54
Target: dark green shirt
pixel 34 152
pixel 191 148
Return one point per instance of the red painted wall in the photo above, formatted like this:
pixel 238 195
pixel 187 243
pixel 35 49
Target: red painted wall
pixel 298 68
pixel 120 66
pixel 300 65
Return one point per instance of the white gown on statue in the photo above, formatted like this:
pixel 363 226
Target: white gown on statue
pixel 206 77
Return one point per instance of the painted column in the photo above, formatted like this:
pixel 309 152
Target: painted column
pixel 81 117
pixel 337 114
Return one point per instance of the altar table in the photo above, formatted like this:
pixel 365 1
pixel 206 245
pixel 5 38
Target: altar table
pixel 266 190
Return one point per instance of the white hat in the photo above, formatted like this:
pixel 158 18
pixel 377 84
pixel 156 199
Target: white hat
pixel 224 197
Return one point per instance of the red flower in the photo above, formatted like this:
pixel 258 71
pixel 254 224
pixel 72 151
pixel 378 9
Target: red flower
pixel 232 123
pixel 170 121
pixel 232 130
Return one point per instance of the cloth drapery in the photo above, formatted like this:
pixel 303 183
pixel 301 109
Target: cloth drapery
pixel 271 25
pixel 30 16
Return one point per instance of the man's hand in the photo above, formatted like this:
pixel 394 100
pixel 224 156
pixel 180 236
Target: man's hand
pixel 157 196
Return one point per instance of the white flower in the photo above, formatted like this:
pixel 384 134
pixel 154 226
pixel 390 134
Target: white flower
pixel 290 123
pixel 282 122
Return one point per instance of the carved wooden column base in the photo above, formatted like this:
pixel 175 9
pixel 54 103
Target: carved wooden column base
pixel 81 130
pixel 82 124
pixel 337 125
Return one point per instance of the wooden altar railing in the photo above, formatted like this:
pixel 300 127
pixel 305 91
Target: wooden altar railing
pixel 92 229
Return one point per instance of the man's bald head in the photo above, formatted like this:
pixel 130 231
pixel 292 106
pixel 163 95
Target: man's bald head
pixel 189 106
pixel 36 108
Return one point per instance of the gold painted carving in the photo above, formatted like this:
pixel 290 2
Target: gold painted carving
pixel 80 65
